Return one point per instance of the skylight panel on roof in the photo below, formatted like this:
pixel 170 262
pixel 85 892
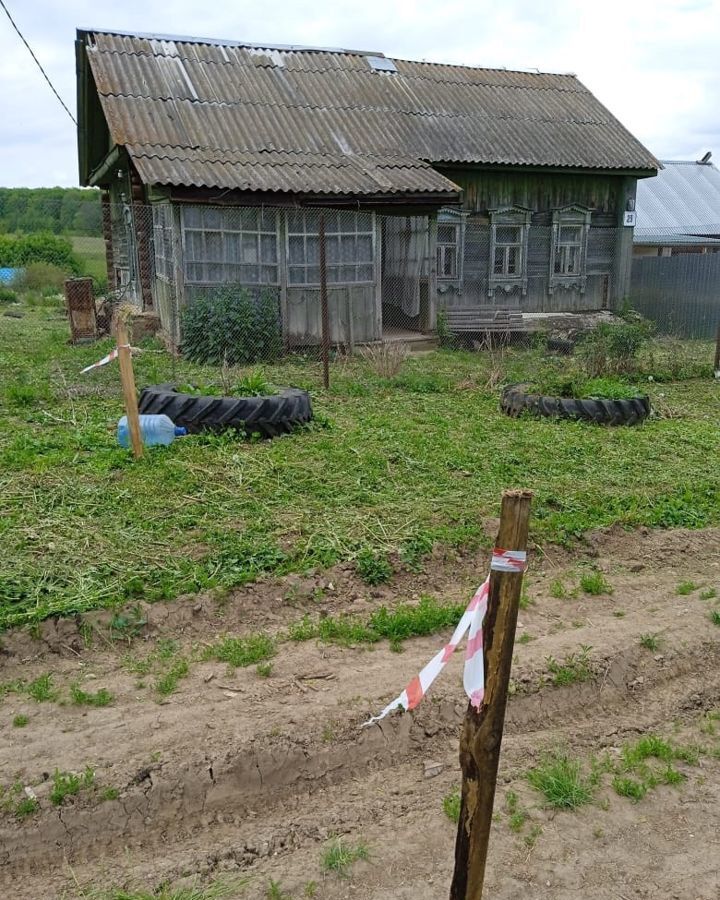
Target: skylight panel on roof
pixel 381 64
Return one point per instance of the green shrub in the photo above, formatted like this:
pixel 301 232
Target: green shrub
pixel 231 326
pixel 612 348
pixel 7 296
pixel 23 250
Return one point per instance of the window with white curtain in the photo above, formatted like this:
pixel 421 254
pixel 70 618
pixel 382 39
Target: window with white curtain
pixel 568 261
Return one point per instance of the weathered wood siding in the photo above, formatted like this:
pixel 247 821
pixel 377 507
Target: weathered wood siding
pixel 352 314
pixel 542 193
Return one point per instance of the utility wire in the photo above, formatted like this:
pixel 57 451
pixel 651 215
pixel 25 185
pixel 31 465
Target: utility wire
pixel 39 65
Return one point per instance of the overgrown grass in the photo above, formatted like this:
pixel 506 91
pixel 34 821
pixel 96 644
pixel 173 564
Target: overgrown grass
pixel 399 469
pixel 561 781
pixel 396 625
pixel 220 889
pixel 240 652
pixel 451 805
pixel 339 856
pixel 595 583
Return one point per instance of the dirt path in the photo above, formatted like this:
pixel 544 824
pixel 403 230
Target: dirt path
pixel 249 776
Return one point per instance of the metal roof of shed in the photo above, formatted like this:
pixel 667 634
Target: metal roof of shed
pixel 680 205
pixel 195 111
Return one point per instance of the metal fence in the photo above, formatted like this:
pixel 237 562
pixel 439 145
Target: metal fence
pixel 676 281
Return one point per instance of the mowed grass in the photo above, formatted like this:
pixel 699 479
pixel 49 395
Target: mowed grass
pixel 391 466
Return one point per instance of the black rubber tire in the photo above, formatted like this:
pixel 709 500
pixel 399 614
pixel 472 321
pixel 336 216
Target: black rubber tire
pixel 515 400
pixel 562 346
pixel 268 416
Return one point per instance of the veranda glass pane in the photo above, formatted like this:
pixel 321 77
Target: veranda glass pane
pixel 212 218
pixel 213 246
pixel 513 258
pixel 365 273
pixel 268 248
pixel 296 274
pixel 312 249
pixel 250 248
pixel 446 234
pixel 296 247
pixel 364 252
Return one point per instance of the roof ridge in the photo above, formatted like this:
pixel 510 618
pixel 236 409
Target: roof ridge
pixel 306 48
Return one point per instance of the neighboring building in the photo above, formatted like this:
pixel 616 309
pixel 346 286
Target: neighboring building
pixel 458 186
pixel 679 211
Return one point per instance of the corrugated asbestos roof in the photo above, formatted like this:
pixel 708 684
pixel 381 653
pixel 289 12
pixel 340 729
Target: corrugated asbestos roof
pixel 319 121
pixel 680 204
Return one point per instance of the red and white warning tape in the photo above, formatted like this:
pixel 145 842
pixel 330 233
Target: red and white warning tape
pixel 472 624
pixel 113 354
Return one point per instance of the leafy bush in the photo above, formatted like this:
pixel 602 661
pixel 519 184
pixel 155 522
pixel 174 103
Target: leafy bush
pixel 612 348
pixel 21 251
pixel 7 296
pixel 576 385
pixel 231 326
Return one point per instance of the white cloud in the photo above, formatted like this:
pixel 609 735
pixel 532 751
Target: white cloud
pixel 654 63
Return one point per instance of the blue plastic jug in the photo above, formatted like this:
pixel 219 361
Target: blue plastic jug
pixel 153 429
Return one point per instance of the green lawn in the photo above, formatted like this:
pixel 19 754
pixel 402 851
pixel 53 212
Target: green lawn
pixel 390 466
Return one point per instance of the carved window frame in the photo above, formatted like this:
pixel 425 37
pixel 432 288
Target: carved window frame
pixel 455 219
pixel 572 217
pixel 514 217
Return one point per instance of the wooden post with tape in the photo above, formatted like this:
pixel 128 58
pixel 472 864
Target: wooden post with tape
pixel 483 729
pixel 127 379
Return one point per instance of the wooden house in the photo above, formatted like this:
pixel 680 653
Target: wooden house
pixel 436 186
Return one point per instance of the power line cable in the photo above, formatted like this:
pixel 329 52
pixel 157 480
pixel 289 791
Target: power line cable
pixel 37 61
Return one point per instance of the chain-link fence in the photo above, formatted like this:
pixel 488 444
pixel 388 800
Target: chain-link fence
pixel 243 285
pixel 239 286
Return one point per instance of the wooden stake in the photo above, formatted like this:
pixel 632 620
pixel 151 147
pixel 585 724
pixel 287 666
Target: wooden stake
pixel 127 378
pixel 483 729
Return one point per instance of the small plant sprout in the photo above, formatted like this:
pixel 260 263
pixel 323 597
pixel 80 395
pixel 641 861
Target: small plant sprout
pixel 264 669
pixel 715 617
pixel 82 698
pixel 595 583
pixel 20 721
pixel 708 594
pixel 41 690
pixel 685 588
pixel 26 806
pixel 573 669
pixel 68 784
pixel 340 856
pixel 275 892
pixel 451 805
pixel 558 590
pixel 525 638
pixel 650 641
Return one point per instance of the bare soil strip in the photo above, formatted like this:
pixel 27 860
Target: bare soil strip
pixel 241 774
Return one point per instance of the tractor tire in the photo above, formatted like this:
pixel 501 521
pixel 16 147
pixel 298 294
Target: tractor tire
pixel 515 400
pixel 269 416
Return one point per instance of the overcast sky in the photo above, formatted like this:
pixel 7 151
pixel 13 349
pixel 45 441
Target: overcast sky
pixel 654 63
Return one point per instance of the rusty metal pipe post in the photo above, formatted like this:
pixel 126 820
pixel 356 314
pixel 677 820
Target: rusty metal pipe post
pixel 324 311
pixel 483 730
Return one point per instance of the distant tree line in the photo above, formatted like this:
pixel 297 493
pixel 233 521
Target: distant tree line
pixel 55 210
